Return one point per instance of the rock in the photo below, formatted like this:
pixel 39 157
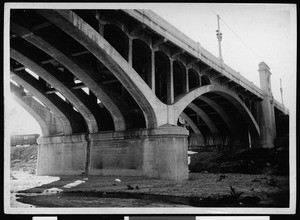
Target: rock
pixel 12 177
pixel 137 187
pixel 52 191
pixel 255 180
pixel 118 180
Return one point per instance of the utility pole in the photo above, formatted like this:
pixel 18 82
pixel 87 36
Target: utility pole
pixel 281 92
pixel 219 37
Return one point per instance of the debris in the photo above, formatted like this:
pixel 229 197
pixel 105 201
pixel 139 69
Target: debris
pixel 12 177
pixel 85 178
pixel 221 177
pixel 129 187
pixel 52 191
pixel 137 187
pixel 255 180
pixel 76 183
pixel 118 180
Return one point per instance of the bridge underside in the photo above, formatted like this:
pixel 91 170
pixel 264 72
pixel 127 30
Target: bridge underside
pixel 125 100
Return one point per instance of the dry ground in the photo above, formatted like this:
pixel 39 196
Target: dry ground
pixel 272 190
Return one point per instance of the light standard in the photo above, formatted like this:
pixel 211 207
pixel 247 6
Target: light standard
pixel 219 37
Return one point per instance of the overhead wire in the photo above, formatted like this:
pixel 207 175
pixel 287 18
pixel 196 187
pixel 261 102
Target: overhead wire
pixel 238 36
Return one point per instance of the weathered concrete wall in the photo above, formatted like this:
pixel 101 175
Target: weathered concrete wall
pixel 116 156
pixel 160 152
pixel 61 155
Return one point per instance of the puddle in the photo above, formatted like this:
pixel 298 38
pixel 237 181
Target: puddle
pixel 97 199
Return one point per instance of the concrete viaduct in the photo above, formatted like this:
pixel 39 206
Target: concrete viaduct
pixel 122 92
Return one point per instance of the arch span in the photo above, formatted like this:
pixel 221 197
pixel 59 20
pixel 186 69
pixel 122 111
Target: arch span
pixel 83 33
pixel 211 126
pixel 60 86
pixel 184 101
pixel 197 138
pixel 229 123
pixel 48 122
pixel 78 68
pixel 67 125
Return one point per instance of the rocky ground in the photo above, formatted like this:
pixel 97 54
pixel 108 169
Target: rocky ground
pixel 207 189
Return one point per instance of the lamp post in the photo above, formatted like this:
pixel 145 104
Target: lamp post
pixel 219 37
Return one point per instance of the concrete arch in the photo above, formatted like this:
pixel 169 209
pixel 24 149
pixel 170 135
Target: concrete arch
pixel 49 123
pixel 67 128
pixel 205 80
pixel 64 90
pixel 83 33
pixel 247 103
pixel 241 97
pixel 190 123
pixel 229 123
pixel 198 137
pixel 211 126
pixel 184 101
pixel 254 109
pixel 85 74
pixel 194 78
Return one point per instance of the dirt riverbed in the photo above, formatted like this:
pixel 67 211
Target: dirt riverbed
pixel 208 189
pixel 200 185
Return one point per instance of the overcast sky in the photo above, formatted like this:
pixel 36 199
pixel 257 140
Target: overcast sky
pixel 251 34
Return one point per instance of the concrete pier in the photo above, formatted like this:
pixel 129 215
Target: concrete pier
pixel 160 152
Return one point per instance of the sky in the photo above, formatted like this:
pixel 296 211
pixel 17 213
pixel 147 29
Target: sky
pixel 251 33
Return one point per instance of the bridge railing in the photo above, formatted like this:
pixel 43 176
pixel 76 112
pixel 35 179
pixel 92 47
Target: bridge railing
pixel 281 107
pixel 172 34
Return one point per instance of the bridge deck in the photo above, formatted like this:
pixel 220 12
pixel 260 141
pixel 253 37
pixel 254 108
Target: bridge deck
pixel 172 34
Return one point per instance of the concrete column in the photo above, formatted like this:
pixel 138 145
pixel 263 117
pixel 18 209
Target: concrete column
pixel 249 138
pixel 185 81
pixel 130 51
pixel 170 84
pixel 101 24
pixel 151 78
pixel 200 80
pixel 130 47
pixel 266 113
